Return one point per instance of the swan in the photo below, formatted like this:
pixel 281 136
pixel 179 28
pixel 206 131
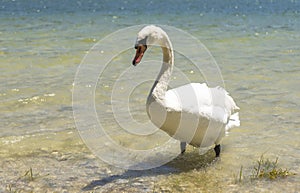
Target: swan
pixel 192 113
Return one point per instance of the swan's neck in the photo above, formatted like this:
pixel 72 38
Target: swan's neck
pixel 160 86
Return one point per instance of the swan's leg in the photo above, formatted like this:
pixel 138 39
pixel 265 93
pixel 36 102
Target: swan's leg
pixel 217 150
pixel 182 147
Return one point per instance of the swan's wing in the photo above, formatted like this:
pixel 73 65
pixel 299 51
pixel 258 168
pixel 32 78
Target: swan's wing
pixel 196 98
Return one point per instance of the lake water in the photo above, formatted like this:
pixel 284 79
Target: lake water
pixel 255 43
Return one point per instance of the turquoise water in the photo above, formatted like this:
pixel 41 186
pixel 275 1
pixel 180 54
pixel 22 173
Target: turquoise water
pixel 255 43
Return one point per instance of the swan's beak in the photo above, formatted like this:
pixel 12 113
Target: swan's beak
pixel 140 50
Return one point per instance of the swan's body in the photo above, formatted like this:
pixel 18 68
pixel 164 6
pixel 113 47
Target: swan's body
pixel 192 113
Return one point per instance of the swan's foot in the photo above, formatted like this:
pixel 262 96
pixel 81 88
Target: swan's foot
pixel 217 150
pixel 182 147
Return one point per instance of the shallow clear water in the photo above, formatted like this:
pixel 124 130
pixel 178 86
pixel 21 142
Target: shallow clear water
pixel 255 43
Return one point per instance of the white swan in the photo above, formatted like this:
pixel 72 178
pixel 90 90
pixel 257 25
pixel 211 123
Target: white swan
pixel 192 113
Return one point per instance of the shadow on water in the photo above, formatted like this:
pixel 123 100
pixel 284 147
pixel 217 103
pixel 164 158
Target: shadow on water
pixel 183 163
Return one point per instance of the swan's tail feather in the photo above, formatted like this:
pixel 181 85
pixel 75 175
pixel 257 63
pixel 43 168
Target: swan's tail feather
pixel 234 121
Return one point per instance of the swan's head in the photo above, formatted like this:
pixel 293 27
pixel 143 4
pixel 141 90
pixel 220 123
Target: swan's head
pixel 149 35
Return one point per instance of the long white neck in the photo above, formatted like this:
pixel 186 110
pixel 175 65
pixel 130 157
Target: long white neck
pixel 160 86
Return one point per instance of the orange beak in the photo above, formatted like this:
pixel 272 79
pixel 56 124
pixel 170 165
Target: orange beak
pixel 140 50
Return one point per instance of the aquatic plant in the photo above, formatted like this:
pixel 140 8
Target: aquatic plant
pixel 263 169
pixel 29 174
pixel 269 170
pixel 238 178
pixel 27 177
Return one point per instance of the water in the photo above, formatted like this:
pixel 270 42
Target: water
pixel 255 43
